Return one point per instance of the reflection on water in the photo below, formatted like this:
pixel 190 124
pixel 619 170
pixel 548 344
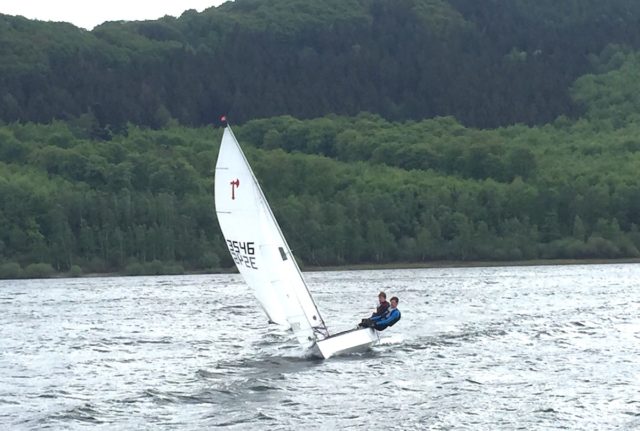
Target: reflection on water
pixel 477 348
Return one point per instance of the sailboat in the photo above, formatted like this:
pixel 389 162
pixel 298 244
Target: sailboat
pixel 264 259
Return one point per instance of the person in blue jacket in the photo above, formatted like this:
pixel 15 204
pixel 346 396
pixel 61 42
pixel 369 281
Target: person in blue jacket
pixel 380 323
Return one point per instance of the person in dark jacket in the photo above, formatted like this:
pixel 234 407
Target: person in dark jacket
pixel 383 307
pixel 392 317
pixel 381 311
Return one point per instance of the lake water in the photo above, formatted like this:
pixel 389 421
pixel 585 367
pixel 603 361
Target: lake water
pixel 554 347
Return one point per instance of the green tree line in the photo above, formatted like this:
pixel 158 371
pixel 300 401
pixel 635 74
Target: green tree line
pixel 487 63
pixel 346 189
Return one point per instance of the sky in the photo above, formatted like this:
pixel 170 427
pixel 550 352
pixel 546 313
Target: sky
pixel 90 13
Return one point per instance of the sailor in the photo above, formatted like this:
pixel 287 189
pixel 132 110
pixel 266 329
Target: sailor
pixel 381 311
pixel 383 322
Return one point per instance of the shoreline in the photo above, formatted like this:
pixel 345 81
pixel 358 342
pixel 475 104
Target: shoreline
pixel 470 264
pixel 383 266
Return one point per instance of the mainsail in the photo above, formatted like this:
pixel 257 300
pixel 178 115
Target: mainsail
pixel 258 247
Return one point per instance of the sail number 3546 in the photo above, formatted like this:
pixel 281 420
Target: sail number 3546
pixel 243 253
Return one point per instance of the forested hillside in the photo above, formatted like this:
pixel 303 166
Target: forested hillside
pixel 487 63
pixel 383 131
pixel 346 189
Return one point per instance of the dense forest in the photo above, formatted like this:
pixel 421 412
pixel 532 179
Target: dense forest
pixel 345 189
pixel 487 63
pixel 503 132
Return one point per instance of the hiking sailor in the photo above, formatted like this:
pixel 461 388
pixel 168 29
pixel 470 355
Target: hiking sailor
pixel 390 318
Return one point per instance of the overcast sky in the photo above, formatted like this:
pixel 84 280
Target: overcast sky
pixel 89 13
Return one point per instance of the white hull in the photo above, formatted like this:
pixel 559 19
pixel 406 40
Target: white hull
pixel 357 340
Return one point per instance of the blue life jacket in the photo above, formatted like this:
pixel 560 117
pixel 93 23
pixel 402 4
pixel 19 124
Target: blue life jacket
pixel 390 320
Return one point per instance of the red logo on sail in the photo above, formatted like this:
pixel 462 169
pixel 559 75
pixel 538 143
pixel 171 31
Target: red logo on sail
pixel 234 184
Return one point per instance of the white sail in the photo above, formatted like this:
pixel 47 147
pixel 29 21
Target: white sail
pixel 258 247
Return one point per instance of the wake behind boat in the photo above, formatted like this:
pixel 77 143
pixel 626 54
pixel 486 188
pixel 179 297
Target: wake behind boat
pixel 264 259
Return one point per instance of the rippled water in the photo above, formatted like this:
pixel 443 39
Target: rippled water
pixel 477 348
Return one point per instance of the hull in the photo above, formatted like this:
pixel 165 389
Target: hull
pixel 356 340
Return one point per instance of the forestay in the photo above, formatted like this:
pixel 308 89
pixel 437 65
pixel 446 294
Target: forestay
pixel 258 247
